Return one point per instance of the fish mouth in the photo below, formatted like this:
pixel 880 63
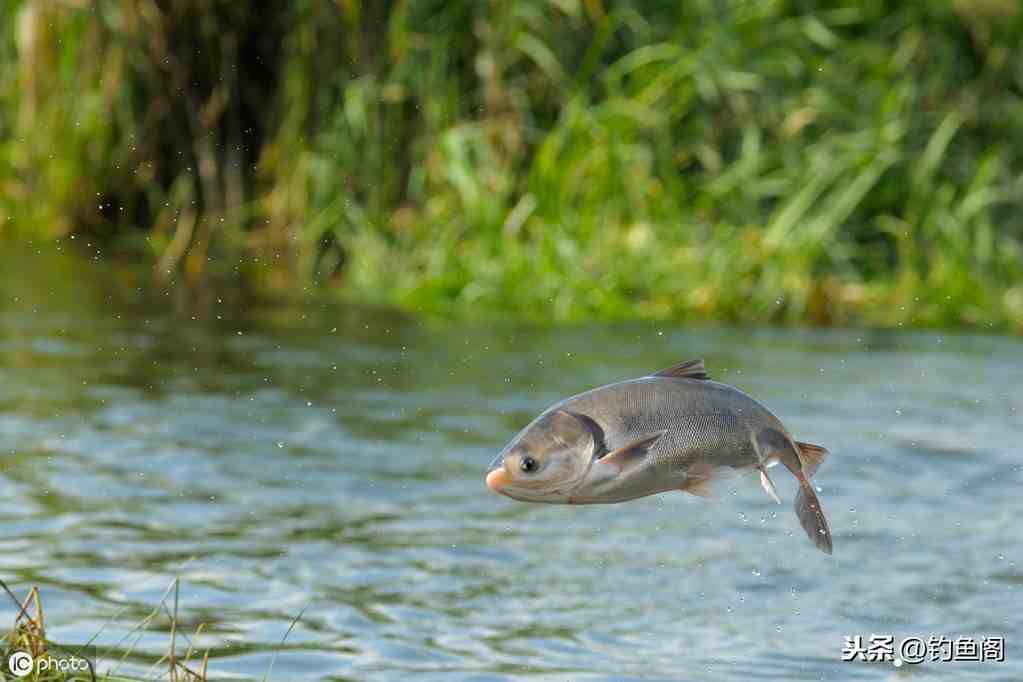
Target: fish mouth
pixel 498 480
pixel 497 476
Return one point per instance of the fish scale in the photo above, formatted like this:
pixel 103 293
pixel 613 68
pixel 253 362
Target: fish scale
pixel 709 418
pixel 705 436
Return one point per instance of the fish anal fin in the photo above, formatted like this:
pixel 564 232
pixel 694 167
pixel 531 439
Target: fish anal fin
pixel 693 369
pixel 811 456
pixel 634 451
pixel 768 485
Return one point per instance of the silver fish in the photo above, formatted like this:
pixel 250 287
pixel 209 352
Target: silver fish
pixel 673 430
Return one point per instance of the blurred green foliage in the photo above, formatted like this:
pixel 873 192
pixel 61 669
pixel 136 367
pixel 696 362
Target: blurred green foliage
pixel 770 160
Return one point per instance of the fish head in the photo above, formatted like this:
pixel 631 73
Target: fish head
pixel 547 459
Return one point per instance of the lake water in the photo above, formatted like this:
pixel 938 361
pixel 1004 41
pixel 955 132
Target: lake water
pixel 315 456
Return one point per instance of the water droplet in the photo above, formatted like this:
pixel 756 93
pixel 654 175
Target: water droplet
pixel 777 628
pixel 280 445
pixel 756 572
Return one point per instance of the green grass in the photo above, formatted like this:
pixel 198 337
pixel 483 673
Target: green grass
pixel 760 161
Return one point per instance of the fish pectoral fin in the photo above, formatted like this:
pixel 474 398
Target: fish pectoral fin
pixel 634 451
pixel 693 369
pixel 700 479
pixel 768 485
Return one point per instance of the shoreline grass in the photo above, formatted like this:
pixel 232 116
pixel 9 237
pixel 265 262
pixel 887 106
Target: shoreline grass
pixel 753 162
pixel 28 635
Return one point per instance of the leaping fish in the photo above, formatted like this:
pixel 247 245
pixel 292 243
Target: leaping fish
pixel 673 430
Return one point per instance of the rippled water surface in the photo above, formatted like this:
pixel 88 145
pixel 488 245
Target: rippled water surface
pixel 311 456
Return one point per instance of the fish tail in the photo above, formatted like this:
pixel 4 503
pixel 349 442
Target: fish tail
pixel 811 516
pixel 811 456
pixel 802 460
pixel 808 507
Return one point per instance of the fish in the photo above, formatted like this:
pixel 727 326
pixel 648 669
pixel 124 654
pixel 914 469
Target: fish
pixel 676 429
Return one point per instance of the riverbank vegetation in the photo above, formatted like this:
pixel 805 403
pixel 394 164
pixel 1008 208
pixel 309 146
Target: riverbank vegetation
pixel 774 161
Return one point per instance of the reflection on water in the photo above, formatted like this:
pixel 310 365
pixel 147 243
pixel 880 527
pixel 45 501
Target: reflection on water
pixel 285 455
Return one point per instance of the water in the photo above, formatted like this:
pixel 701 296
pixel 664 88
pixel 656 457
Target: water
pixel 314 456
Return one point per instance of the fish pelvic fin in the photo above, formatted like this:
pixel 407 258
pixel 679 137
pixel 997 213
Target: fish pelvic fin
pixel 700 479
pixel 768 485
pixel 811 456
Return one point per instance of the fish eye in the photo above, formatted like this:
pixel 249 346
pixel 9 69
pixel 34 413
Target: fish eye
pixel 528 464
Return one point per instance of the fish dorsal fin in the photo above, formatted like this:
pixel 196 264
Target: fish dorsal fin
pixel 692 369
